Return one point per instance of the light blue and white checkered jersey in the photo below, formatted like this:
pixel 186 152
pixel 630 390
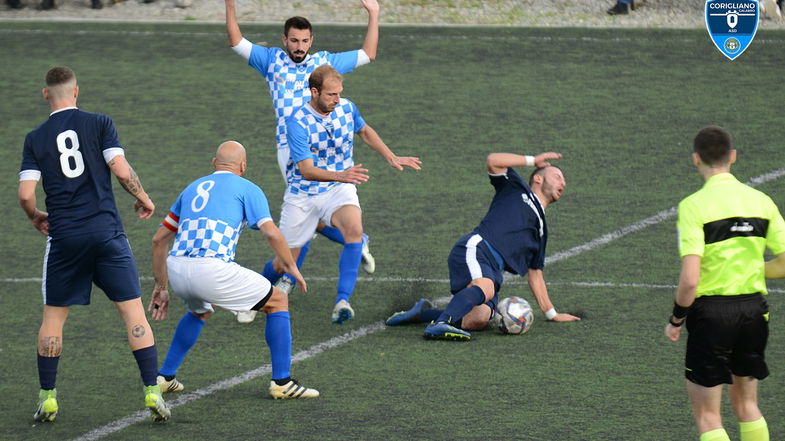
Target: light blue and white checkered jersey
pixel 211 213
pixel 328 140
pixel 288 81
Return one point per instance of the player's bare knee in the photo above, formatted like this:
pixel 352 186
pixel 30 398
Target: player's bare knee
pixel 277 302
pixel 203 315
pixel 487 287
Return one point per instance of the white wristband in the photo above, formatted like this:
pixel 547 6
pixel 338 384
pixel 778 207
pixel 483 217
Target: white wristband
pixel 529 160
pixel 551 313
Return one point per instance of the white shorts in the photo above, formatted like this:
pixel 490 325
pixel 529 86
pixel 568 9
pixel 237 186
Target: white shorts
pixel 283 159
pixel 300 213
pixel 205 281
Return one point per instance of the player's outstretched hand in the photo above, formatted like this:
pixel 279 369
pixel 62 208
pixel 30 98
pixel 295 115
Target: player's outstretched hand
pixel 562 317
pixel 354 175
pixel 672 332
pixel 542 159
pixel 371 5
pixel 301 285
pixel 144 209
pixel 40 221
pixel 159 303
pixel 398 162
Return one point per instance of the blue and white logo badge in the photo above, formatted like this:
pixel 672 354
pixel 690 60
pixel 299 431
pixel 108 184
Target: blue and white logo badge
pixel 732 25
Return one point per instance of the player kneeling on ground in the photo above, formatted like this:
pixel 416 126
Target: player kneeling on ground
pixel 205 223
pixel 511 237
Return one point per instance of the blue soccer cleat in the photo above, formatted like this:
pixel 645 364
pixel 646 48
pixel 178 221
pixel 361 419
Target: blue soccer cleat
pixel 410 316
pixel 444 331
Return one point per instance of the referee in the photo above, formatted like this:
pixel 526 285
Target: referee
pixel 724 229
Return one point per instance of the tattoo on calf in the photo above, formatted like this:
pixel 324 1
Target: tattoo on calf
pixel 138 331
pixel 50 346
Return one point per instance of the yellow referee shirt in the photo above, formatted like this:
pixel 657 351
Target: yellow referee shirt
pixel 729 225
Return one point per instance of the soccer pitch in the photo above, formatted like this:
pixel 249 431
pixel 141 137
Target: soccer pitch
pixel 621 105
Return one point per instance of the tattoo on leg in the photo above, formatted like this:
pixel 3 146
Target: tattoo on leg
pixel 138 331
pixel 50 346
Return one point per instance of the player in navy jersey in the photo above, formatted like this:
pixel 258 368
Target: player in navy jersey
pixel 205 223
pixel 286 73
pixel 511 237
pixel 75 153
pixel 321 177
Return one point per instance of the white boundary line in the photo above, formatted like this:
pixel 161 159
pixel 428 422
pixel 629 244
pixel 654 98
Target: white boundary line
pixel 378 326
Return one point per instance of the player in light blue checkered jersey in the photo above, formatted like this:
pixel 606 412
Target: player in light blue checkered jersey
pixel 286 71
pixel 205 223
pixel 321 177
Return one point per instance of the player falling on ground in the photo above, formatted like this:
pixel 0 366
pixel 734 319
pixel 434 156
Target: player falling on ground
pixel 75 153
pixel 724 230
pixel 286 72
pixel 205 223
pixel 511 237
pixel 322 178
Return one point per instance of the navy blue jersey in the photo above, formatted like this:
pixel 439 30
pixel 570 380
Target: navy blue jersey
pixel 515 224
pixel 69 153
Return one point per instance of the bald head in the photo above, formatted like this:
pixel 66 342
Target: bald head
pixel 230 156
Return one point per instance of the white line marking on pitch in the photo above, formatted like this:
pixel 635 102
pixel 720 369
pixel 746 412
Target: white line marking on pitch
pixel 378 326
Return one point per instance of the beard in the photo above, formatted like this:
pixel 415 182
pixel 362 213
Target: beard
pixel 297 57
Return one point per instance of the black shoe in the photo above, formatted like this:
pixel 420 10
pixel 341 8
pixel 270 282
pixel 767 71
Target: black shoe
pixel 14 4
pixel 46 5
pixel 96 4
pixel 619 9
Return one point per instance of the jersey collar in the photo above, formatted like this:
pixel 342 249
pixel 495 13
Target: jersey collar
pixel 63 109
pixel 720 178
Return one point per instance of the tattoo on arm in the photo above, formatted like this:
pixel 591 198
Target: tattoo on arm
pixel 138 331
pixel 50 346
pixel 132 185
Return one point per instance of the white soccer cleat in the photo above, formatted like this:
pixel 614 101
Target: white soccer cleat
pixel 246 316
pixel 285 285
pixel 291 390
pixel 342 312
pixel 368 262
pixel 169 386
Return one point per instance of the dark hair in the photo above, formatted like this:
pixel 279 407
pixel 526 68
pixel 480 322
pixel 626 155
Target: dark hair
pixel 713 144
pixel 297 22
pixel 539 171
pixel 321 74
pixel 59 75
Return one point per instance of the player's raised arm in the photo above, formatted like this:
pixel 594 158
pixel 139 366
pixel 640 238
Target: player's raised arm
pixel 371 42
pixel 540 291
pixel 282 252
pixel 130 181
pixel 232 28
pixel 499 162
pixel 370 137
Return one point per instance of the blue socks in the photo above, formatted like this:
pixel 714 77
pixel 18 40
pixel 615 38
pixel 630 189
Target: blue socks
pixel 147 359
pixel 278 334
pixel 348 267
pixel 333 234
pixel 47 371
pixel 461 303
pixel 270 274
pixel 185 336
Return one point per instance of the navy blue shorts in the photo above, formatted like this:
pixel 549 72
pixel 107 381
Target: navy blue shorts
pixel 72 264
pixel 727 335
pixel 471 259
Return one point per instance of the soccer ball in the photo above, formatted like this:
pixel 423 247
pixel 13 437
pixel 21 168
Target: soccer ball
pixel 514 315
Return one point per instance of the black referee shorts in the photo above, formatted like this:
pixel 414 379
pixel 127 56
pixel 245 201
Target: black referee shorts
pixel 727 335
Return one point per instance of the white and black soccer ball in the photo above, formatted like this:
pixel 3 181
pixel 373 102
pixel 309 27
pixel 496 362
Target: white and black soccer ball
pixel 514 315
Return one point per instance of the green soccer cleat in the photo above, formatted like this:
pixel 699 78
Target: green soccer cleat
pixel 156 404
pixel 47 406
pixel 169 386
pixel 291 390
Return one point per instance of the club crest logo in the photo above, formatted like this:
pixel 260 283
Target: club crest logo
pixel 732 25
